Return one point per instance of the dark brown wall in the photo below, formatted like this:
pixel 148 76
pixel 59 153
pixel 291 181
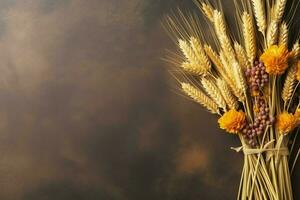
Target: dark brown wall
pixel 88 109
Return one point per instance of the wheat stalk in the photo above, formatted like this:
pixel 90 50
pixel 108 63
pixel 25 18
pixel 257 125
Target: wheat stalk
pixel 289 84
pixel 225 71
pixel 208 11
pixel 219 22
pixel 230 77
pixel 225 63
pixel 193 69
pixel 283 34
pixel 272 34
pixel 213 56
pixel 213 92
pixel 227 47
pixel 296 50
pixel 227 94
pixel 221 31
pixel 249 35
pixel 193 64
pixel 231 82
pixel 200 54
pixel 279 10
pixel 241 56
pixel 260 15
pixel 187 51
pixel 239 79
pixel 199 97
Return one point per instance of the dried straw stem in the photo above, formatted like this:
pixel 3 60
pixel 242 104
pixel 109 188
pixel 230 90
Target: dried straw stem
pixel 260 15
pixel 199 97
pixel 249 35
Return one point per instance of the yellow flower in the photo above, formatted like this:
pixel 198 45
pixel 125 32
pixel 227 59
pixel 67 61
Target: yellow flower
pixel 298 71
pixel 286 122
pixel 275 59
pixel 232 121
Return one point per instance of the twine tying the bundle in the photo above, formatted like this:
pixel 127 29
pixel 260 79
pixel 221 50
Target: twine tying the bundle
pixel 282 151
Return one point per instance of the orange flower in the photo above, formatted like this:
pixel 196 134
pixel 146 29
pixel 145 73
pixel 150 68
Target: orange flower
pixel 286 122
pixel 298 71
pixel 232 121
pixel 275 59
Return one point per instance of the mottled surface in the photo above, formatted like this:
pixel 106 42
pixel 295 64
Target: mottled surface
pixel 87 109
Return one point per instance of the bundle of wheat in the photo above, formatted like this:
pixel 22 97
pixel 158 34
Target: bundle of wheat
pixel 251 82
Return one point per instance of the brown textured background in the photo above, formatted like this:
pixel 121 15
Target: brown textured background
pixel 87 109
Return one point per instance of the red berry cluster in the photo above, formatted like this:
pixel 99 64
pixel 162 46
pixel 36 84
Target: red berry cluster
pixel 262 119
pixel 257 77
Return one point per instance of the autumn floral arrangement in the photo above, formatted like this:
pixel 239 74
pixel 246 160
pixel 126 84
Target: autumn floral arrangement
pixel 249 76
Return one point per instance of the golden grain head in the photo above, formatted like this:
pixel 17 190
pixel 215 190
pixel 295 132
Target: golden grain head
pixel 249 36
pixel 227 94
pixel 241 56
pixel 214 57
pixel 283 34
pixel 200 53
pixel 199 97
pixel 260 15
pixel 279 10
pixel 289 84
pixel 208 11
pixel 213 92
pixel 272 34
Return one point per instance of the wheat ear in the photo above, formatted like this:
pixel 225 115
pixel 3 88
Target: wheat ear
pixel 208 11
pixel 240 80
pixel 213 91
pixel 279 10
pixel 229 78
pixel 199 97
pixel 283 34
pixel 227 94
pixel 289 84
pixel 187 51
pixel 296 50
pixel 199 52
pixel 272 34
pixel 225 63
pixel 220 27
pixel 193 69
pixel 249 35
pixel 260 15
pixel 219 22
pixel 192 65
pixel 241 56
pixel 213 56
